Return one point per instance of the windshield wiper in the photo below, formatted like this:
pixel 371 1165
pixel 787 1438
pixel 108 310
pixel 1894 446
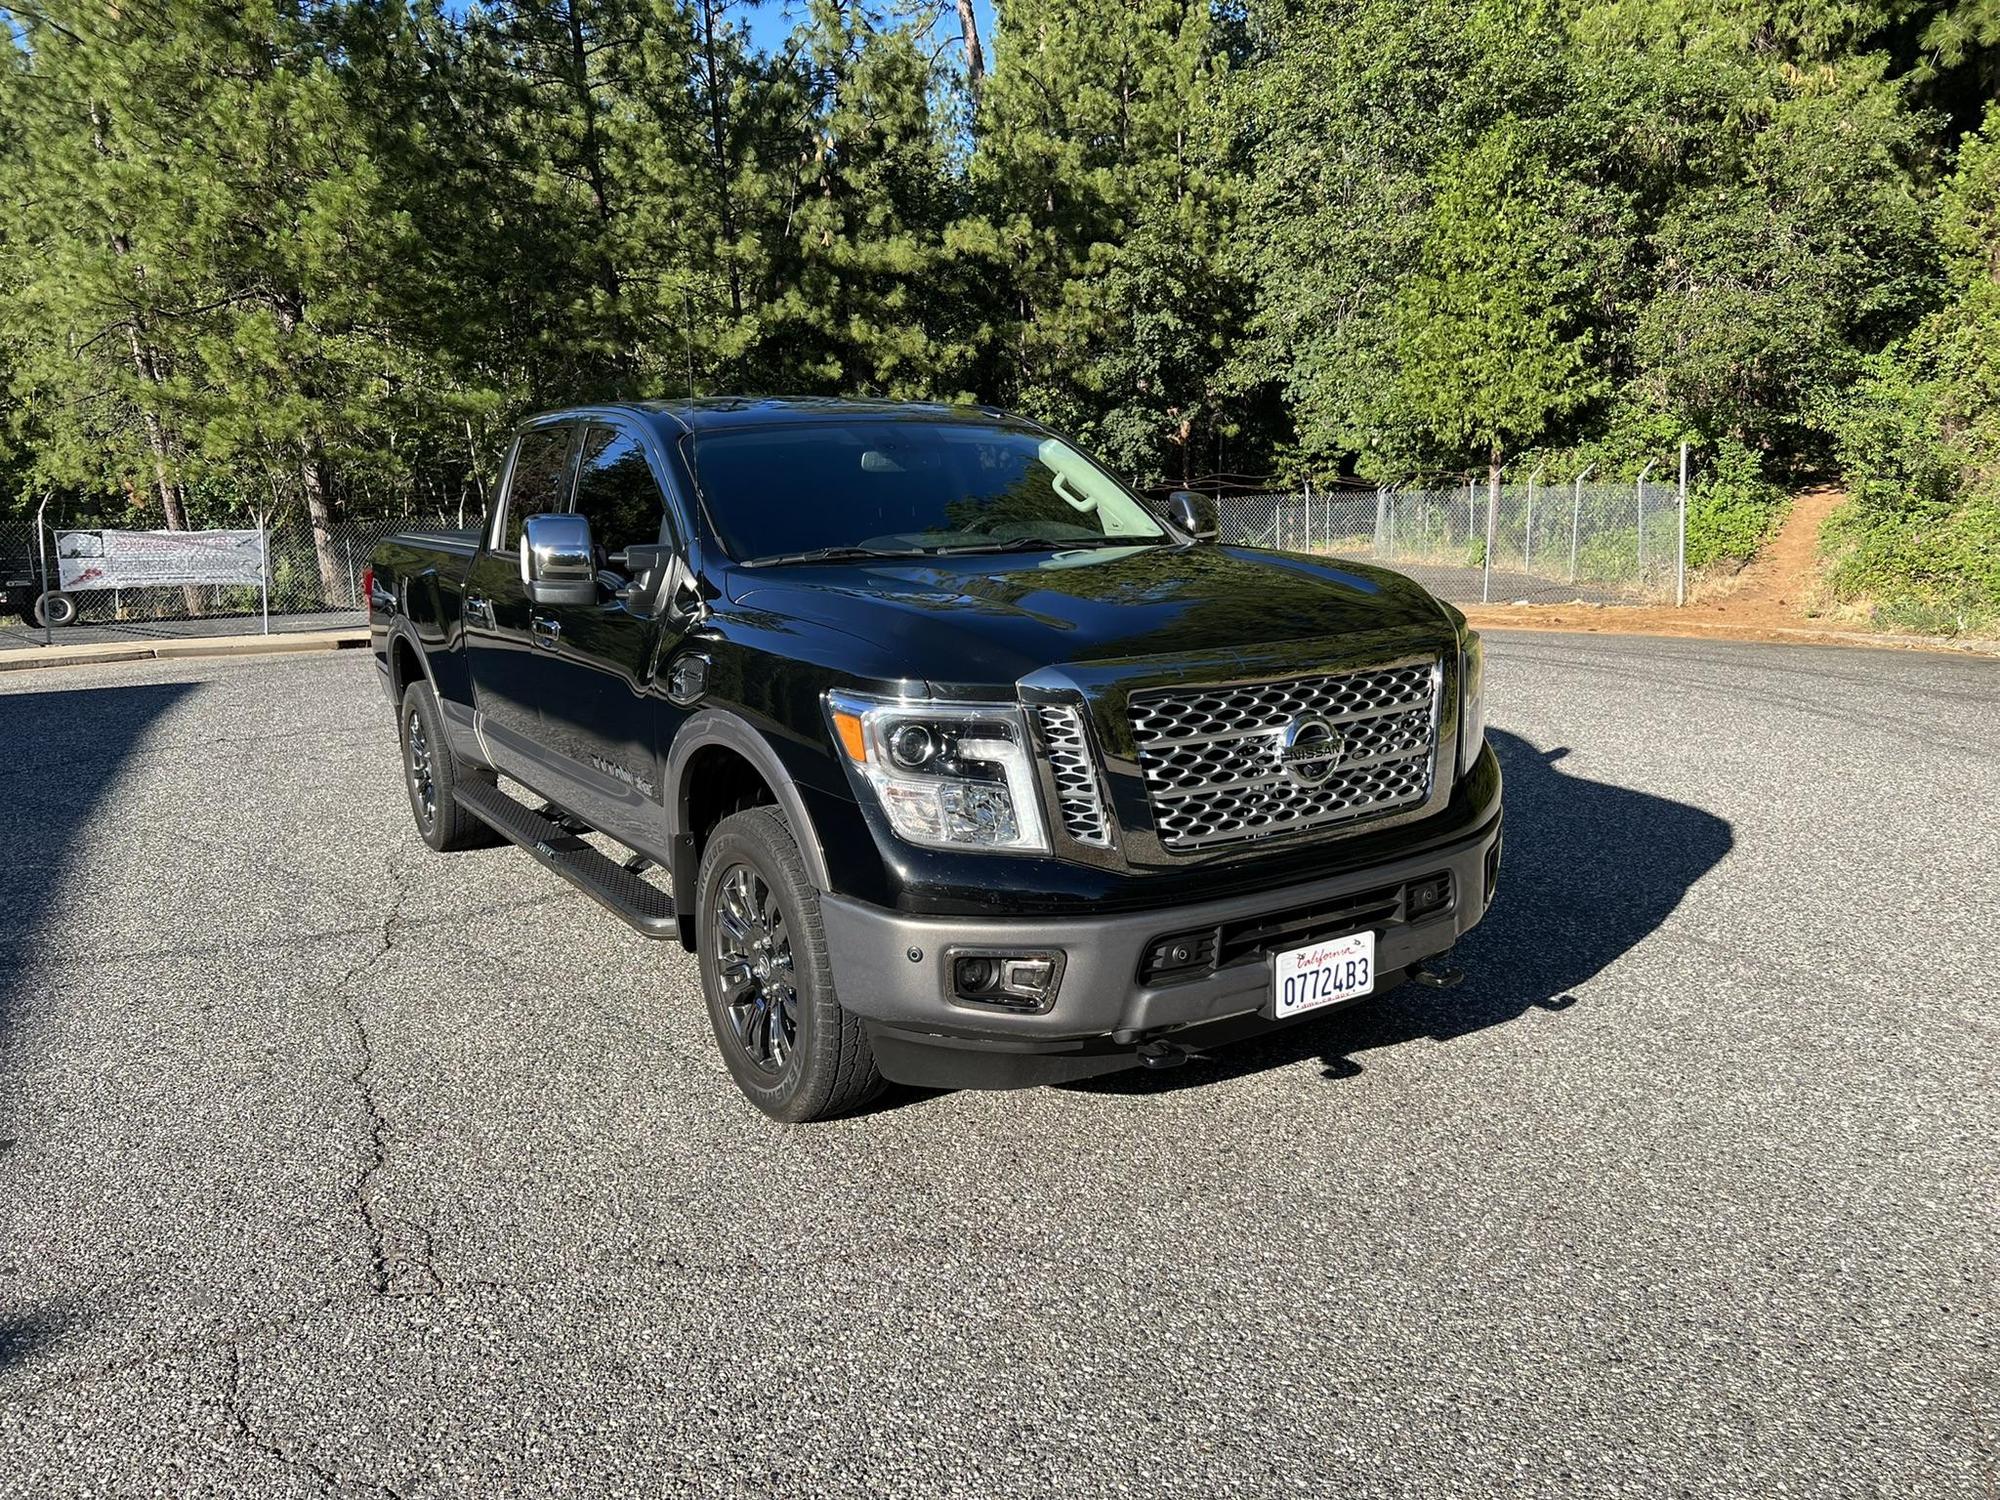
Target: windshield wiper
pixel 831 554
pixel 1034 543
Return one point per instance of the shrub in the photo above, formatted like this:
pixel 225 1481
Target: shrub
pixel 1919 437
pixel 1608 556
pixel 1732 508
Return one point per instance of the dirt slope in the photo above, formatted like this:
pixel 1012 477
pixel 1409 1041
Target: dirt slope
pixel 1772 599
pixel 1782 578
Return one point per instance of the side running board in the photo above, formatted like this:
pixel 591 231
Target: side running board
pixel 617 889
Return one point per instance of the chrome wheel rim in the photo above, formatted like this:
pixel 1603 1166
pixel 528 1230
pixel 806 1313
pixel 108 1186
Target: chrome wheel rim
pixel 423 787
pixel 753 960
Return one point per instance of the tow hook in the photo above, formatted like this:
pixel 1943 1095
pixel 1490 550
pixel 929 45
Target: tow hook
pixel 1446 976
pixel 1162 1054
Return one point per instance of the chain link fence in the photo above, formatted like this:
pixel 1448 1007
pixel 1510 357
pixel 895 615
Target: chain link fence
pixel 1601 543
pixel 313 585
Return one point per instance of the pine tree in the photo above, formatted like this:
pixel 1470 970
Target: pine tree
pixel 93 305
pixel 206 200
pixel 866 297
pixel 1095 188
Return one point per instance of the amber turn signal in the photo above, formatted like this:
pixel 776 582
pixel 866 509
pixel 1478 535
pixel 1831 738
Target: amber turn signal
pixel 848 726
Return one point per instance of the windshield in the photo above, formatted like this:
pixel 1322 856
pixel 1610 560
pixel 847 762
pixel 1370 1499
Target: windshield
pixel 903 487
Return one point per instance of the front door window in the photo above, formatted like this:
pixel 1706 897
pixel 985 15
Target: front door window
pixel 615 490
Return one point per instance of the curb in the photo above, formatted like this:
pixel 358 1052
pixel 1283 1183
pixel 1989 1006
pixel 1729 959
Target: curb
pixel 1756 635
pixel 98 653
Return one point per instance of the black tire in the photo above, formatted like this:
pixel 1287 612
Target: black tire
pixel 825 1066
pixel 431 775
pixel 55 608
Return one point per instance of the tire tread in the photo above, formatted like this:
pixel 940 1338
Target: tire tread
pixel 453 828
pixel 841 1064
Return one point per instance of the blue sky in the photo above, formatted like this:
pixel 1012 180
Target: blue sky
pixel 773 20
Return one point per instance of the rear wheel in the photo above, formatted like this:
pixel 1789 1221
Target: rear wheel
pixel 793 1051
pixel 431 775
pixel 55 608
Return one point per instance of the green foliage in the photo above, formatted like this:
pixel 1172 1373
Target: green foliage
pixel 1485 330
pixel 1731 509
pixel 1919 434
pixel 1608 552
pixel 322 253
pixel 1101 206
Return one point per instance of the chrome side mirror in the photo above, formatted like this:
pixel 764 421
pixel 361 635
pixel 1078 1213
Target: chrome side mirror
pixel 1195 514
pixel 558 564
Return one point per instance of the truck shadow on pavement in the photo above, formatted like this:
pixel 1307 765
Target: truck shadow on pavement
pixel 1589 870
pixel 62 755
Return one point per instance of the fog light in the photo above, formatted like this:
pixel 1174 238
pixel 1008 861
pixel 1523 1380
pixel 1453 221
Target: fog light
pixel 976 975
pixel 1427 896
pixel 1011 980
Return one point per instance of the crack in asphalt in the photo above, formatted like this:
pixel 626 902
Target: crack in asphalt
pixel 21 955
pixel 401 1252
pixel 384 1256
pixel 330 1480
pixel 279 1325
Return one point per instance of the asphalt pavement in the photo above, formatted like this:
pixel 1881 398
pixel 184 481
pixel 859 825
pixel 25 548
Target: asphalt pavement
pixel 330 1166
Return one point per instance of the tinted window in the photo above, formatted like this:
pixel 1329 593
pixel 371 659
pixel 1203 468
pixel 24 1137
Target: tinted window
pixel 615 489
pixel 888 484
pixel 541 477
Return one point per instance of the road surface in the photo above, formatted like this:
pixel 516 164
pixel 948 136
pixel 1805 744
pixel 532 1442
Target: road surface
pixel 329 1166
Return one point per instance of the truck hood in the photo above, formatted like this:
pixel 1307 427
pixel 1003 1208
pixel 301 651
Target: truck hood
pixel 995 618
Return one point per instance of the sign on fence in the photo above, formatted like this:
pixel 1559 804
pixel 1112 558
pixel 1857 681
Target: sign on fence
pixel 155 559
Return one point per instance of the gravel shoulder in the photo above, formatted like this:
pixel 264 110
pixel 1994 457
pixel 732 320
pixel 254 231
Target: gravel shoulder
pixel 333 1167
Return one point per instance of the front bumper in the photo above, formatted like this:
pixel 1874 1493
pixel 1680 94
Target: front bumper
pixel 893 970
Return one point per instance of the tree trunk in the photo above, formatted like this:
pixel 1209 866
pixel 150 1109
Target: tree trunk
pixel 975 57
pixel 312 479
pixel 718 122
pixel 146 360
pixel 173 503
pixel 593 170
pixel 290 310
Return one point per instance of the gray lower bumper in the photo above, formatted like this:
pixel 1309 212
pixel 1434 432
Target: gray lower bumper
pixel 871 950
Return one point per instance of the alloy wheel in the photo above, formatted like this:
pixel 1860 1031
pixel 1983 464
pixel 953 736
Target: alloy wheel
pixel 423 784
pixel 753 958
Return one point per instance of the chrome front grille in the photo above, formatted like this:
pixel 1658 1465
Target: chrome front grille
pixel 1223 764
pixel 1077 796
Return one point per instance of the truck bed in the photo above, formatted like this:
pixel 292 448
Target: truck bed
pixel 462 543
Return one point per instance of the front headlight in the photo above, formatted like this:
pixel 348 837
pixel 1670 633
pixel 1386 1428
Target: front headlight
pixel 949 775
pixel 1471 701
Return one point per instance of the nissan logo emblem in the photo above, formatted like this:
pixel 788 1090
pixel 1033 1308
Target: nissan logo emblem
pixel 1310 749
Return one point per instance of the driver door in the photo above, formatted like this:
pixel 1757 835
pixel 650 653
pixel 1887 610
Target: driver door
pixel 602 719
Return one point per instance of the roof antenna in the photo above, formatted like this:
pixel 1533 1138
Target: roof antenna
pixel 687 298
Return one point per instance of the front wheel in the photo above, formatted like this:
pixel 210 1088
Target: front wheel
pixel 793 1051
pixel 55 608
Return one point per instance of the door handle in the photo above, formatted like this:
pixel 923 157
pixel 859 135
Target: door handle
pixel 477 611
pixel 544 630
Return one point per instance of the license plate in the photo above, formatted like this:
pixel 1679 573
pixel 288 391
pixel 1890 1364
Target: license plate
pixel 1304 979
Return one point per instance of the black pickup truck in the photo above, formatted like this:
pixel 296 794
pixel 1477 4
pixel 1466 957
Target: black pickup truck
pixel 961 764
